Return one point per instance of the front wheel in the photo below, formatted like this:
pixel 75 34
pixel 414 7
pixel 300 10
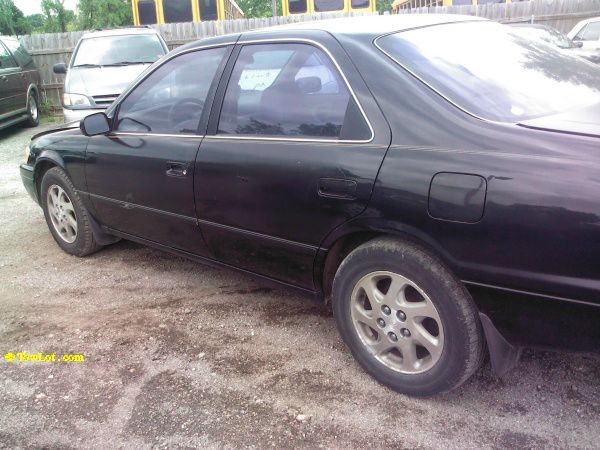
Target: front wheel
pixel 406 319
pixel 66 216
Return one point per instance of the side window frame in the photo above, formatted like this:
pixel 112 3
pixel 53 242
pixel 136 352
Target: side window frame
pixel 218 101
pixel 208 105
pixel 16 66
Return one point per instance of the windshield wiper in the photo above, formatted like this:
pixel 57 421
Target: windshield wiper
pixel 87 65
pixel 127 63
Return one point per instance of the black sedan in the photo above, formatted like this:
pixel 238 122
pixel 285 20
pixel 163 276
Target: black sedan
pixel 394 165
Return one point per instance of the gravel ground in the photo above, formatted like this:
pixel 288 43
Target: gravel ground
pixel 182 355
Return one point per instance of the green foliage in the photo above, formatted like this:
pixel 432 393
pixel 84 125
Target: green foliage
pixel 92 14
pixel 12 21
pixel 35 23
pixel 384 5
pixel 56 17
pixel 258 8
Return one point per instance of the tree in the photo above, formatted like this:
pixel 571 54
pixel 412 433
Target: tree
pixel 35 22
pixel 258 8
pixel 93 14
pixel 384 5
pixel 12 21
pixel 56 17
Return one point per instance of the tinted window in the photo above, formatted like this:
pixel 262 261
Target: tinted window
pixel 328 5
pixel 23 58
pixel 177 11
pixel 147 12
pixel 117 50
pixel 171 100
pixel 492 72
pixel 285 90
pixel 208 9
pixel 591 32
pixel 6 59
pixel 297 6
pixel 360 3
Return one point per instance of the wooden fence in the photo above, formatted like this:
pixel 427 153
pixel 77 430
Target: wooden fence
pixel 49 49
pixel 560 14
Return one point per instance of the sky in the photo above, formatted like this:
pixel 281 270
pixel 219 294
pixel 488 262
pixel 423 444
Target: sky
pixel 33 6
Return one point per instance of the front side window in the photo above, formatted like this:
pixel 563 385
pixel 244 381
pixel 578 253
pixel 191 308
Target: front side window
pixel 119 50
pixel 285 90
pixel 328 5
pixel 6 59
pixel 19 52
pixel 297 6
pixel 177 11
pixel 591 32
pixel 491 71
pixel 171 100
pixel 147 12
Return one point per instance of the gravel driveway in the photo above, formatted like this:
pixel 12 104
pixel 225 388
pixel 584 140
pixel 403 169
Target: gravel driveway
pixel 182 355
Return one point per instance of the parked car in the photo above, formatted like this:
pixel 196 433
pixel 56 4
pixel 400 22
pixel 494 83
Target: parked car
pixel 391 164
pixel 102 66
pixel 19 85
pixel 588 33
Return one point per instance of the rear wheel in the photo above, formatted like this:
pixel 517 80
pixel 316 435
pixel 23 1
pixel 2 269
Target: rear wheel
pixel 66 216
pixel 406 319
pixel 33 111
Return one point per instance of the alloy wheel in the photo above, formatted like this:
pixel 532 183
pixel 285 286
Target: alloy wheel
pixel 397 322
pixel 62 213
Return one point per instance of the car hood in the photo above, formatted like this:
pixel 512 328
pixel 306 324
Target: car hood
pixel 62 127
pixel 584 121
pixel 94 81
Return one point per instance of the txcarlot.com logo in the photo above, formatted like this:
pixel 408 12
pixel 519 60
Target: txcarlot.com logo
pixel 39 357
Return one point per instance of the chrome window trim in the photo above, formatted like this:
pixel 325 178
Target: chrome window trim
pixel 254 137
pixel 429 85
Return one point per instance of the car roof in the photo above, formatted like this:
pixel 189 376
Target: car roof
pixel 373 24
pixel 586 21
pixel 119 32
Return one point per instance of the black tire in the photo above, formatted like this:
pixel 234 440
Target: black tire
pixel 33 110
pixel 463 343
pixel 84 243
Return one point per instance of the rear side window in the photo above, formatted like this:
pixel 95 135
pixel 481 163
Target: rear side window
pixel 171 100
pixel 289 90
pixel 591 32
pixel 23 58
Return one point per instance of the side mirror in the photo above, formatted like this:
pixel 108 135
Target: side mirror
pixel 60 68
pixel 309 85
pixel 577 44
pixel 95 124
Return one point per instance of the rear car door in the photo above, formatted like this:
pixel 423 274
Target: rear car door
pixel 140 175
pixel 292 153
pixel 11 83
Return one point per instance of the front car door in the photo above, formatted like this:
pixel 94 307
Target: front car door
pixel 11 84
pixel 292 153
pixel 140 176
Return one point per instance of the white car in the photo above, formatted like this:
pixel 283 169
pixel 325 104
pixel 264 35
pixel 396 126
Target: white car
pixel 588 33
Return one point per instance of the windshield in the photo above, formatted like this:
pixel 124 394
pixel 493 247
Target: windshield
pixel 490 71
pixel 117 50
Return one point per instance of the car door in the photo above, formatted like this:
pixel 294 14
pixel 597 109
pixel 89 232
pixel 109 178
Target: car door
pixel 292 153
pixel 10 83
pixel 141 175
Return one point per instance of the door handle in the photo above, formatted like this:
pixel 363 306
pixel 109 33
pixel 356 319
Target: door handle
pixel 337 188
pixel 176 169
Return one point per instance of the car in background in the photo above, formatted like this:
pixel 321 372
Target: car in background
pixel 102 66
pixel 19 85
pixel 588 33
pixel 545 33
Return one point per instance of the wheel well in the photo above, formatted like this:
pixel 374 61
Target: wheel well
pixel 346 244
pixel 40 169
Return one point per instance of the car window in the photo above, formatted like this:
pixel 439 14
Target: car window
pixel 119 50
pixel 171 100
pixel 591 32
pixel 6 59
pixel 285 90
pixel 21 55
